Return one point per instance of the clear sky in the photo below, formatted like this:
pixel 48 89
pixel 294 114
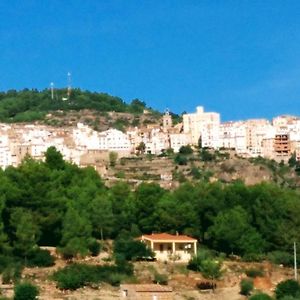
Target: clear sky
pixel 240 58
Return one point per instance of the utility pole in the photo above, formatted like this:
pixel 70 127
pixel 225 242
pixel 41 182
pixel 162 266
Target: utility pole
pixel 52 90
pixel 295 262
pixel 69 84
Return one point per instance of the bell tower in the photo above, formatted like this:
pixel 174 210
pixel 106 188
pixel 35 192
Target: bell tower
pixel 167 121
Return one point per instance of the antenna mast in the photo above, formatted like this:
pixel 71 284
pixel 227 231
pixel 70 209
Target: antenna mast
pixel 52 90
pixel 69 85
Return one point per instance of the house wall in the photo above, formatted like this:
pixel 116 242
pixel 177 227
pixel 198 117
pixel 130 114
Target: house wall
pixel 163 251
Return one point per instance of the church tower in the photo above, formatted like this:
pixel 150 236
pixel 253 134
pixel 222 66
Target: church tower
pixel 167 121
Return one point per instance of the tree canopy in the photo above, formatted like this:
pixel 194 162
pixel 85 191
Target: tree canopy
pixel 56 203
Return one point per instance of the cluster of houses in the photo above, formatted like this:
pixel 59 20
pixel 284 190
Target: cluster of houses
pixel 276 139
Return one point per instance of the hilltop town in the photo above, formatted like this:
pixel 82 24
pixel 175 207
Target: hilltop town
pixel 81 144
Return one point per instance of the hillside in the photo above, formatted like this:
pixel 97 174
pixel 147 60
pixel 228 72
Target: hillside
pixel 33 105
pixel 173 169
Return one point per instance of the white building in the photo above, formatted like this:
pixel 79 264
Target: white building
pixel 203 127
pixel 177 140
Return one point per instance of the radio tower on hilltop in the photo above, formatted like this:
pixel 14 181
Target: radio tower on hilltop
pixel 69 85
pixel 52 90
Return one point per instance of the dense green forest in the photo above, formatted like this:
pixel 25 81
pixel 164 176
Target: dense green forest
pixel 57 203
pixel 30 105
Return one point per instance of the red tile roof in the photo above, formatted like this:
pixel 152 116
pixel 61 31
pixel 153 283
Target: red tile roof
pixel 167 237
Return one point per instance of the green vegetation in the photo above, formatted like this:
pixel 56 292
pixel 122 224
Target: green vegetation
pixel 246 287
pixel 55 203
pixel 113 157
pixel 160 278
pixel 75 276
pixel 31 105
pixel 206 263
pixel 26 291
pixel 286 288
pixel 260 296
pixel 253 272
pixel 125 247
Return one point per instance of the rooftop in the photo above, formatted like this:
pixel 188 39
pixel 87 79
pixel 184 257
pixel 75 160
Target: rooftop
pixel 167 237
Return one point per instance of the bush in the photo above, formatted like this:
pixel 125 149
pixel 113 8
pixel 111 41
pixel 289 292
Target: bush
pixel 205 155
pixel 75 246
pixel 12 274
pixel 281 257
pixel 180 160
pixel 160 278
pixel 287 288
pixel 195 262
pixel 195 172
pixel 131 249
pixel 115 279
pixel 40 258
pixel 123 266
pixel 254 272
pixel 251 257
pixel 26 291
pixel 246 287
pixel 94 247
pixel 75 276
pixel 260 296
pixel 205 263
pixel 186 150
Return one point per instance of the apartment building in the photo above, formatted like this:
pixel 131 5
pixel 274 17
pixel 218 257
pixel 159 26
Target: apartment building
pixel 256 131
pixel 203 127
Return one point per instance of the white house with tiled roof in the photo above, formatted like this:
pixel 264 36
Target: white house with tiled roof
pixel 168 246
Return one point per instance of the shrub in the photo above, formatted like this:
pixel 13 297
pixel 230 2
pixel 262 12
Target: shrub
pixel 260 296
pixel 26 291
pixel 195 262
pixel 115 279
pixel 254 272
pixel 211 269
pixel 75 276
pixel 186 150
pixel 180 160
pixel 12 273
pixel 94 247
pixel 131 249
pixel 205 155
pixel 251 257
pixel 76 246
pixel 113 157
pixel 160 278
pixel 205 263
pixel 195 172
pixel 287 288
pixel 123 266
pixel 40 258
pixel 281 257
pixel 246 287
pixel 71 277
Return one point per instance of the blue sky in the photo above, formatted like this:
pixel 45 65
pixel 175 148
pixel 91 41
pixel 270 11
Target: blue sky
pixel 240 58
